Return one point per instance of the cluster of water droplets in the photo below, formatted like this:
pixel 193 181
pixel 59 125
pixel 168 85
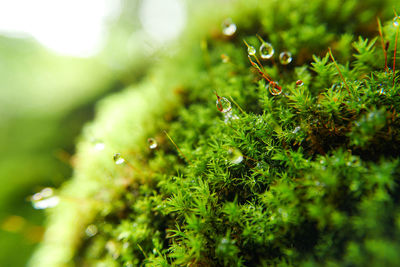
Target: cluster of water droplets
pixel 45 199
pixel 266 51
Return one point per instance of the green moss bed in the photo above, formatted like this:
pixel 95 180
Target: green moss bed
pixel 307 177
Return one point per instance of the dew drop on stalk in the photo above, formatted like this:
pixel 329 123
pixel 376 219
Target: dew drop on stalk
pixel 45 199
pixel 152 143
pixel 251 50
pixel 285 57
pixel 266 50
pixel 228 27
pixel 118 159
pixel 272 87
pixel 223 104
pixel 234 155
pixel 396 21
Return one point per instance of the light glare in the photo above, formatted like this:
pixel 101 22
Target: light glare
pixel 71 27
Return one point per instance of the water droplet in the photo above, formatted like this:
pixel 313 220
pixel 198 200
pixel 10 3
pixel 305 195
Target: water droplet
pixel 260 166
pixel 235 156
pixel 99 146
pixel 113 249
pixel 47 192
pixel 223 104
pixel 381 89
pixel 229 117
pixel 225 58
pixel 273 89
pixel 396 21
pixel 152 143
pixel 266 50
pixel 299 83
pixel 251 50
pixel 44 199
pixel 228 27
pixel 118 159
pixel 91 230
pixel 296 130
pixel 285 57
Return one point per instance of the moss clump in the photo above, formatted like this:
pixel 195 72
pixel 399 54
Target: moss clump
pixel 307 177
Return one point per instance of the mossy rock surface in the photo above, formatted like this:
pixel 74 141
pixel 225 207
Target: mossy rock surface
pixel 307 177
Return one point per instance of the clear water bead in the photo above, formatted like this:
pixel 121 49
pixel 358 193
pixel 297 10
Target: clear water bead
pixel 228 27
pixel 285 57
pixel 152 143
pixel 266 50
pixel 396 21
pixel 251 50
pixel 45 199
pixel 223 104
pixel 299 83
pixel 272 87
pixel 91 230
pixel 118 159
pixel 235 156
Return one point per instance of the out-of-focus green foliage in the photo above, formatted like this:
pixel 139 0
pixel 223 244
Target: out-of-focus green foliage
pixel 305 178
pixel 45 99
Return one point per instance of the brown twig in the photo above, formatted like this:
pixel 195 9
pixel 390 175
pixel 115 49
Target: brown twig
pixel 382 42
pixel 394 55
pixel 340 74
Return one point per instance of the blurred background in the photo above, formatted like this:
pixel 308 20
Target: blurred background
pixel 57 59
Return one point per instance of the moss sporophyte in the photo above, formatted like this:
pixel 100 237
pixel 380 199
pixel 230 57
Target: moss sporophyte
pixel 308 176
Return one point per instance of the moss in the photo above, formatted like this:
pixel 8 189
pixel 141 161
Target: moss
pixel 314 176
